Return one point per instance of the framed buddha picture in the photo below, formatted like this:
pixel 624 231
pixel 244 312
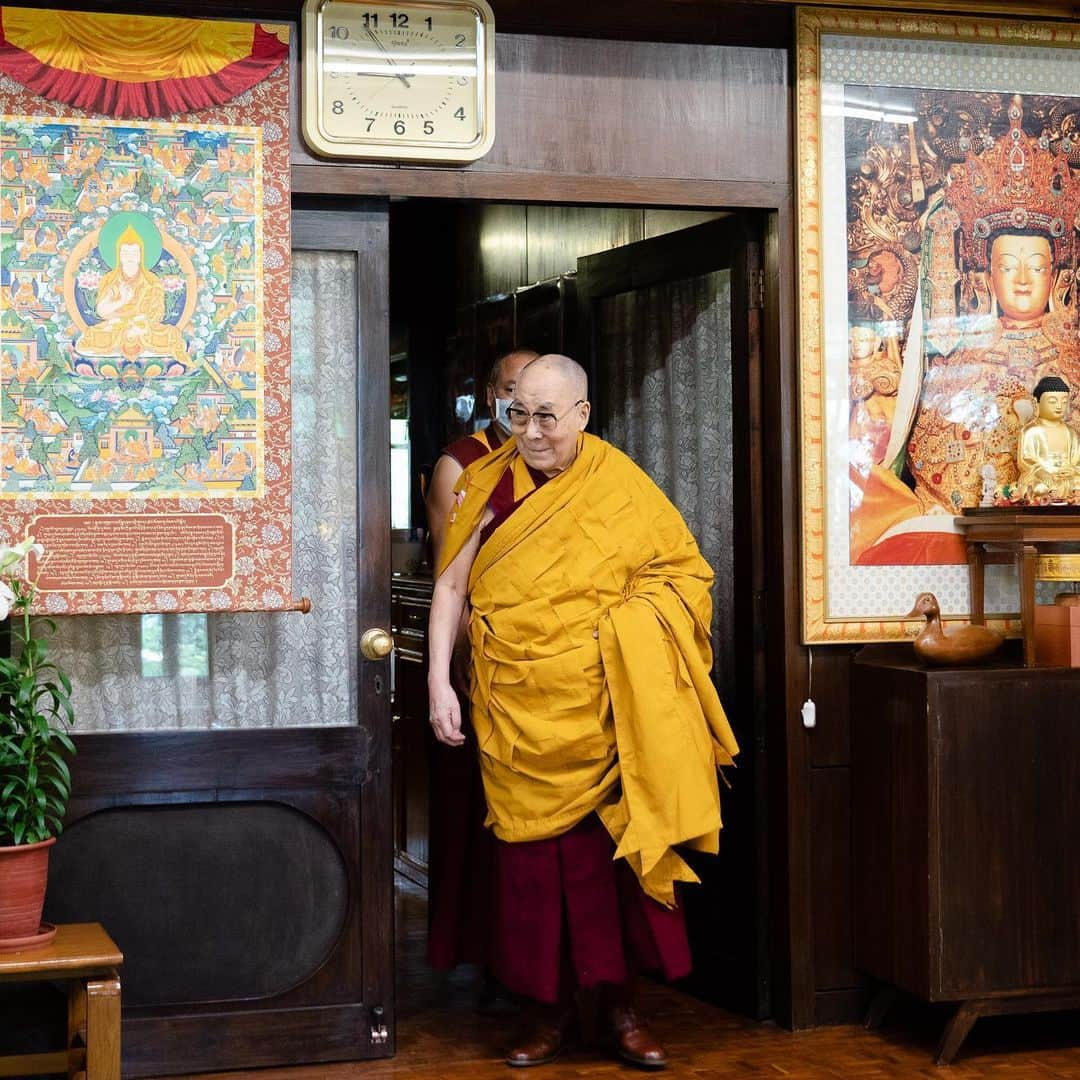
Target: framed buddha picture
pixel 938 242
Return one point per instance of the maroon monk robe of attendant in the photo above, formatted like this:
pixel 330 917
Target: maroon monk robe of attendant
pixel 460 881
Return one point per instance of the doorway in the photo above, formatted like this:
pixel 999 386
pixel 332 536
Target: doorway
pixel 663 308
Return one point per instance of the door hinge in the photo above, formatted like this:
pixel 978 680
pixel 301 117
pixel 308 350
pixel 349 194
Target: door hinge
pixel 757 288
pixel 379 1033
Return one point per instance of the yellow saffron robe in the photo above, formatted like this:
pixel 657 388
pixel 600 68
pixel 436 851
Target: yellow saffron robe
pixel 590 642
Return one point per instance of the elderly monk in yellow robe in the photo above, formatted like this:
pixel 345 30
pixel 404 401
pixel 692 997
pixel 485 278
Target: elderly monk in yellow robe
pixel 598 725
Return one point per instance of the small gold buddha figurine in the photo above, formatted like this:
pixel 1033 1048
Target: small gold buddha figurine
pixel 1048 454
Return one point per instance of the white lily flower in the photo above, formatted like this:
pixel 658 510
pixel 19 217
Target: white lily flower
pixel 9 556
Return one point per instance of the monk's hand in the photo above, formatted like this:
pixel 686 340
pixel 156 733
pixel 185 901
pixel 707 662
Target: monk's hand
pixel 444 712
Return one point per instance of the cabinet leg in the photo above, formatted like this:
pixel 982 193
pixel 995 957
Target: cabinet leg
pixel 957 1030
pixel 882 1002
pixel 103 1029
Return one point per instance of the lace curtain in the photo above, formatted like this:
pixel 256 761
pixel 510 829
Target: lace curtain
pixel 664 357
pixel 183 672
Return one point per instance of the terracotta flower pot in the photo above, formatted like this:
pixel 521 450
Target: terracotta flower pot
pixel 24 870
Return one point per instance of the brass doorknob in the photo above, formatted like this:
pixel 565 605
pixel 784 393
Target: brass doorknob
pixel 376 643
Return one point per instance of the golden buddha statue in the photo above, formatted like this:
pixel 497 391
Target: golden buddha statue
pixel 131 304
pixel 1048 455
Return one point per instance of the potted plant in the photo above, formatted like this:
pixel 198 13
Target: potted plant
pixel 35 784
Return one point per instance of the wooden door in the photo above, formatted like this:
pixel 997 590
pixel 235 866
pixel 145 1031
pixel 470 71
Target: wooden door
pixel 245 869
pixel 672 325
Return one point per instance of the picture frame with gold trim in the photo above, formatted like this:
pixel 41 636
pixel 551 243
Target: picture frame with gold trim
pixel 932 151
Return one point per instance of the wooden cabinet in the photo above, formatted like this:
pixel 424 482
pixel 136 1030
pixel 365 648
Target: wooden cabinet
pixel 411 745
pixel 966 808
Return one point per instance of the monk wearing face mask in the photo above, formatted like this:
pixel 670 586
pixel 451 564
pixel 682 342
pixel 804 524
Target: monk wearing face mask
pixel 598 724
pixel 460 872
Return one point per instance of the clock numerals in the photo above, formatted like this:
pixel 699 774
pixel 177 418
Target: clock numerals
pixel 339 33
pixel 460 113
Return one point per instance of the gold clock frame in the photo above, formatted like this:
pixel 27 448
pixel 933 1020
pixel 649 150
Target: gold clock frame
pixel 366 149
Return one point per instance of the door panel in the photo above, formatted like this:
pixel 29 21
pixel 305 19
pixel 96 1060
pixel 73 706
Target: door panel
pixel 670 332
pixel 290 809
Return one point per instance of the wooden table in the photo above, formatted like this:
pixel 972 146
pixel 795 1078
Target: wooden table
pixel 1018 535
pixel 84 957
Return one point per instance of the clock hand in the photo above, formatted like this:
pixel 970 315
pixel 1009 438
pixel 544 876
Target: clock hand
pixel 382 48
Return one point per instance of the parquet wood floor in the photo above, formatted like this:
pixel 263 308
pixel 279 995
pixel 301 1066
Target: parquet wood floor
pixel 441 1037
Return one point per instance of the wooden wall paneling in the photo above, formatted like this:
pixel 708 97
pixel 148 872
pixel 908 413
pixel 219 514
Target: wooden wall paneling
pixel 834 946
pixel 632 108
pixel 538 317
pixel 829 743
pixel 491 250
pixel 557 236
pixel 656 222
pixel 789 766
pixel 496 335
pixel 609 123
pixel 570 313
pixel 890 784
pixel 371 181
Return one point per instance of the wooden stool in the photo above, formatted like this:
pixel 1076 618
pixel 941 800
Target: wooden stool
pixel 84 957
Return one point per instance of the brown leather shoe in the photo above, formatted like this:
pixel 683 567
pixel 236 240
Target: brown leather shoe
pixel 546 1035
pixel 634 1042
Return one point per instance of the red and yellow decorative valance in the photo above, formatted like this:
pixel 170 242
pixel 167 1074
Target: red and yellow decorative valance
pixel 133 66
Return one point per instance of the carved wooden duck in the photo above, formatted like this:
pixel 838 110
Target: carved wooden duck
pixel 962 645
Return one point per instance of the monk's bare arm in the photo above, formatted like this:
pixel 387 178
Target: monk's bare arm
pixel 447 605
pixel 439 500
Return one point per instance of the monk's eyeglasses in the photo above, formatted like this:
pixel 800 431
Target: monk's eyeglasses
pixel 545 421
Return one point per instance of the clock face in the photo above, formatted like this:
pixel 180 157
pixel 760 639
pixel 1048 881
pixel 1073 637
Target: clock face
pixel 398 80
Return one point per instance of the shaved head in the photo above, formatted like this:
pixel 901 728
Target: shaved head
pixel 566 370
pixel 515 359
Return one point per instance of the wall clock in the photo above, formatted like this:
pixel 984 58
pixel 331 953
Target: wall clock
pixel 399 81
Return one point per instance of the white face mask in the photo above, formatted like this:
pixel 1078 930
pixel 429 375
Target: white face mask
pixel 501 406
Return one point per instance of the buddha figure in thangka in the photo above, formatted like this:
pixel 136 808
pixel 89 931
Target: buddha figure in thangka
pixel 1008 214
pixel 131 309
pixel 1048 453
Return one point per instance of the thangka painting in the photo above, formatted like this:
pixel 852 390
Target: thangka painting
pixel 144 363
pixel 939 209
